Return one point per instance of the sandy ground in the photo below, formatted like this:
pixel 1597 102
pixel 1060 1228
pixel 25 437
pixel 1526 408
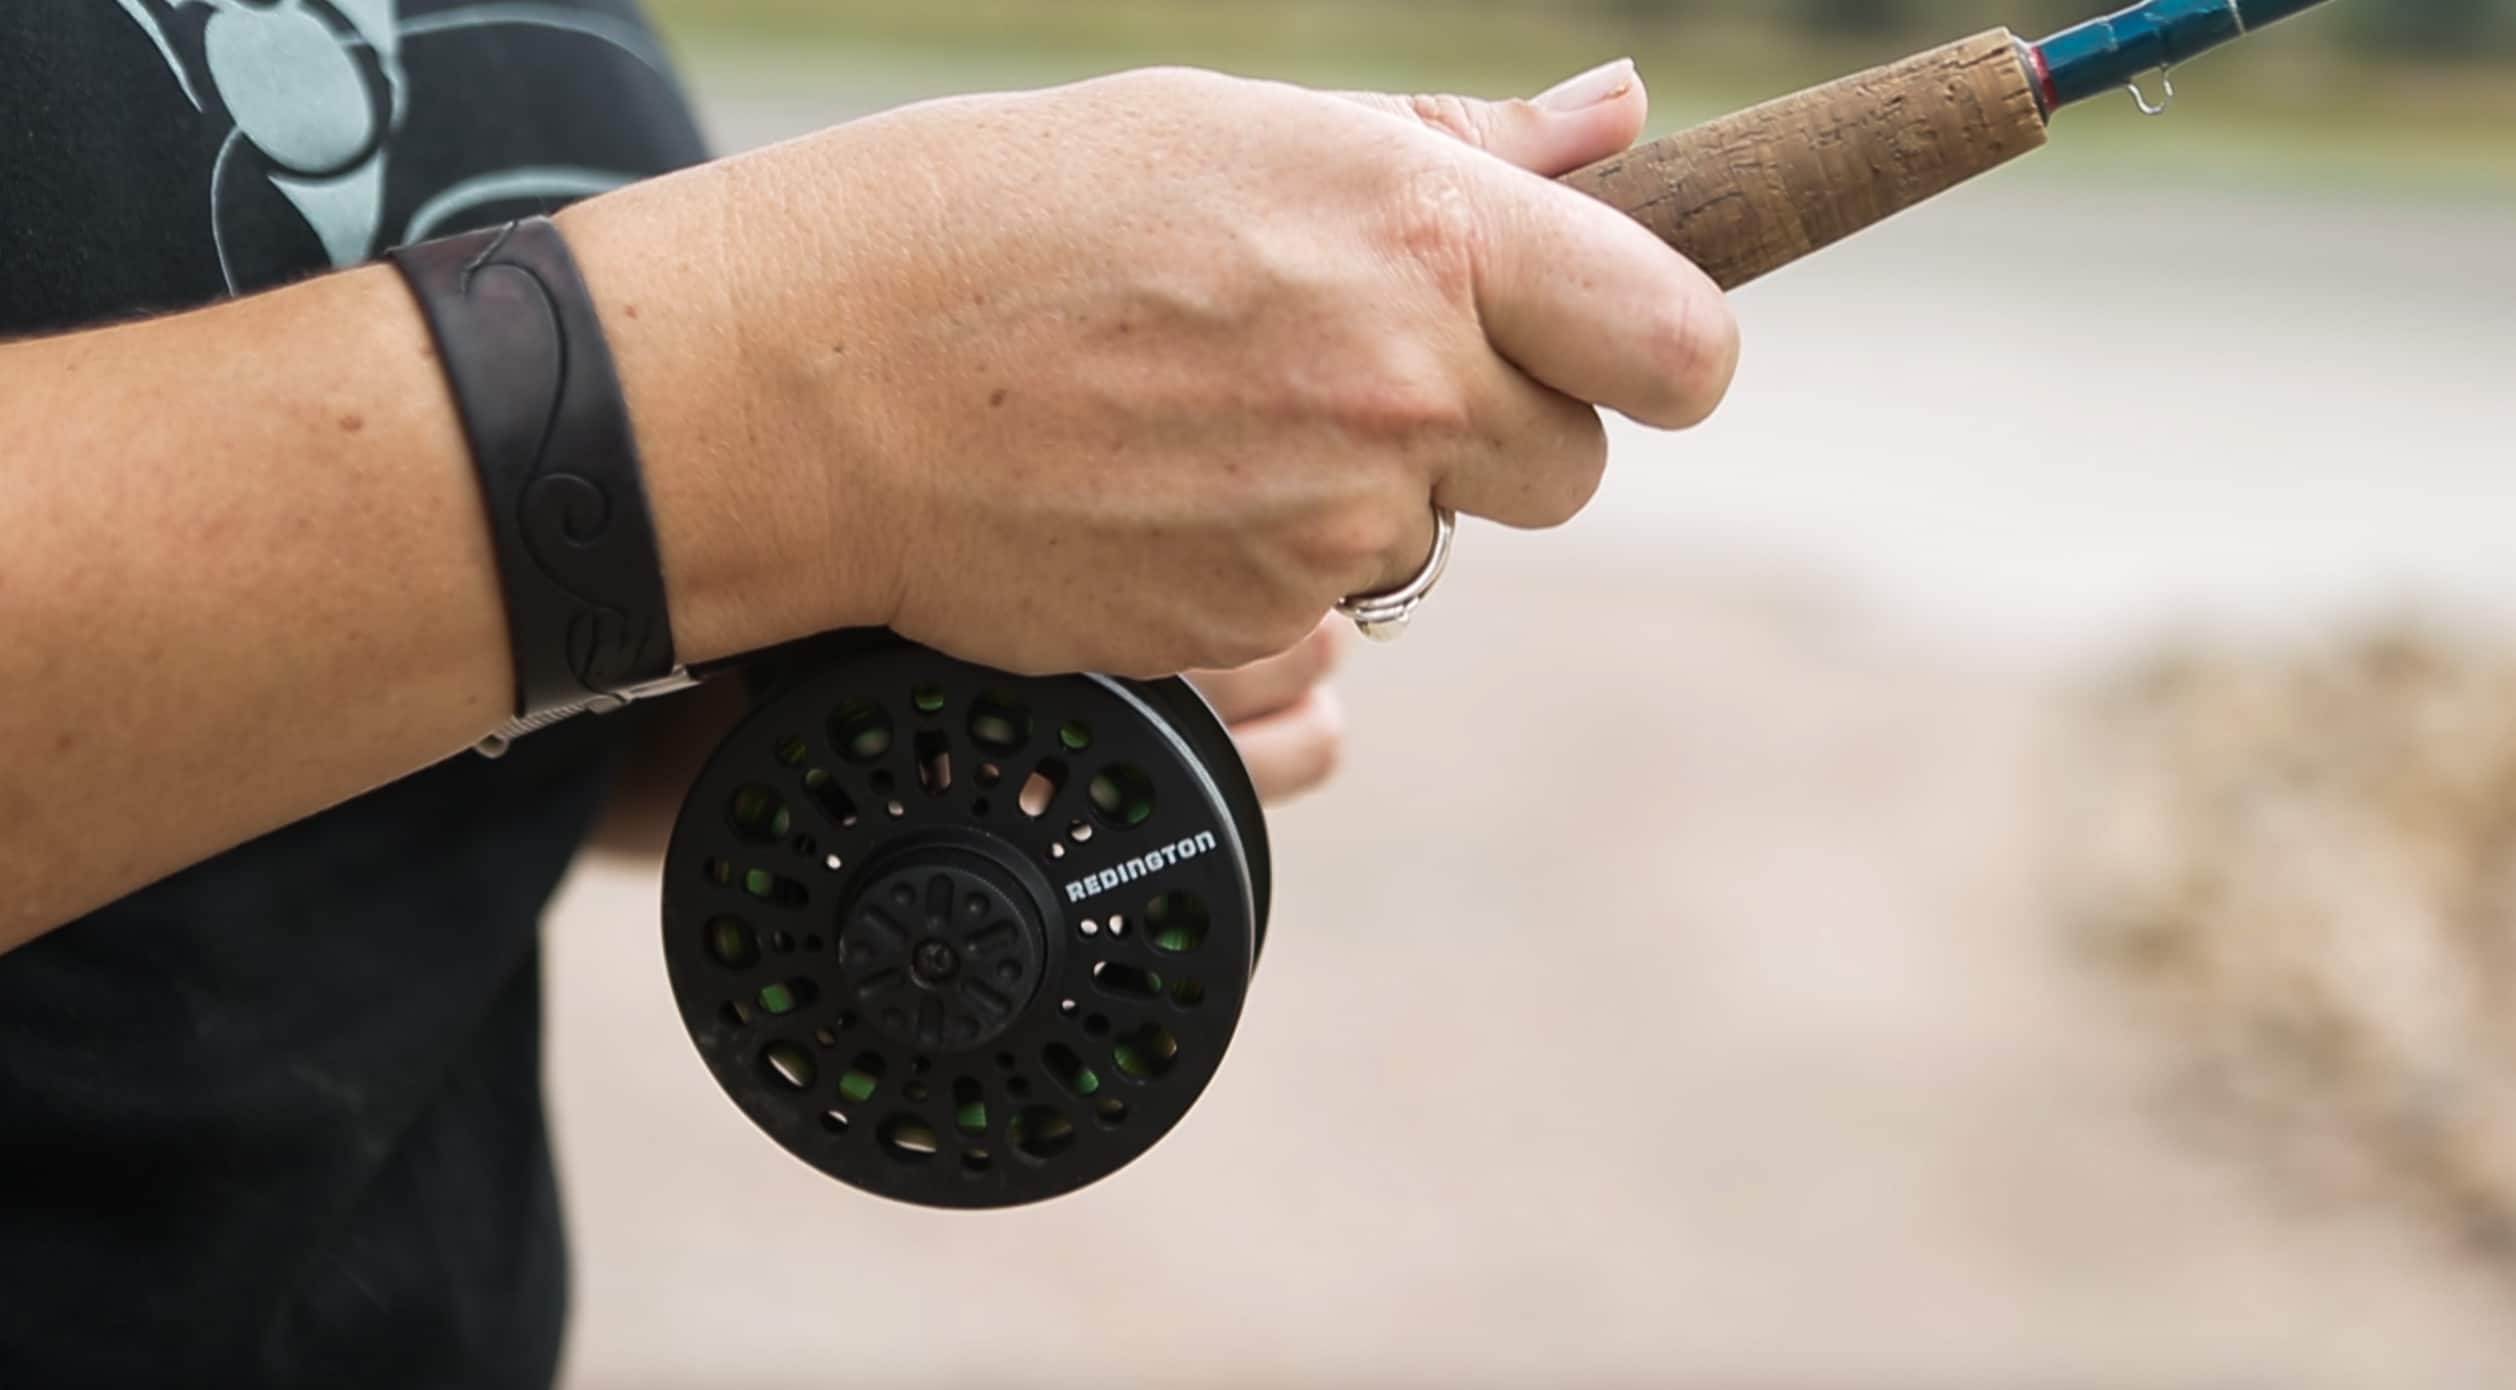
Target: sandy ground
pixel 1671 991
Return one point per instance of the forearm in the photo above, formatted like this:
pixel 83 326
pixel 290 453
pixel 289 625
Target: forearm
pixel 247 572
pixel 245 577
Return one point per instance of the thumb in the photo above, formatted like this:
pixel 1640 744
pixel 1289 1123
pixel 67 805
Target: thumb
pixel 1579 121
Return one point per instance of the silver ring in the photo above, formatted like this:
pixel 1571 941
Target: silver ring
pixel 1383 617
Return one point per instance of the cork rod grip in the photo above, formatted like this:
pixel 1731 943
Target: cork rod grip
pixel 1753 192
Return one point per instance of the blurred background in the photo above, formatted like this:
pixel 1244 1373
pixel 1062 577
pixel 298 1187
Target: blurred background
pixel 1991 864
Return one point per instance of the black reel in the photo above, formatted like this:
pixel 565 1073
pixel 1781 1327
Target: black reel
pixel 961 938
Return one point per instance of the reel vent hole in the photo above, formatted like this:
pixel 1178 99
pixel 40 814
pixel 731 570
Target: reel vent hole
pixel 1126 981
pixel 825 1037
pixel 1188 993
pixel 789 1065
pixel 861 731
pixel 786 998
pixel 1111 1111
pixel 835 1121
pixel 731 944
pixel 759 883
pixel 908 1139
pixel 999 722
pixel 969 1107
pixel 1057 849
pixel 862 1078
pixel 1075 736
pixel 1079 830
pixel 759 814
pixel 989 774
pixel 1177 922
pixel 792 750
pixel 929 699
pixel 773 888
pixel 1041 787
pixel 1068 1007
pixel 934 762
pixel 833 863
pixel 1117 924
pixel 1089 927
pixel 1040 1132
pixel 976 1161
pixel 1147 1052
pixel 1123 795
pixel 736 1013
pixel 825 792
pixel 915 1092
pixel 1068 1070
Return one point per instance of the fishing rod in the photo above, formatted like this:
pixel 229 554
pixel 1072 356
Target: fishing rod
pixel 969 939
pixel 1750 193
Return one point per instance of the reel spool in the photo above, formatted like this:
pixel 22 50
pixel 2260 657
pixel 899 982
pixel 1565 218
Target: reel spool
pixel 960 938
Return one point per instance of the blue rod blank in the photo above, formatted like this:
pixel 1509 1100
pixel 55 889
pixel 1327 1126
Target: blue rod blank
pixel 2103 55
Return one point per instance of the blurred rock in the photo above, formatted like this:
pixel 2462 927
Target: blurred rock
pixel 2302 861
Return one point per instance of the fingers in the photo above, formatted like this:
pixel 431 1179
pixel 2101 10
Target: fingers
pixel 1577 294
pixel 1535 459
pixel 1279 682
pixel 1289 727
pixel 1295 749
pixel 1583 299
pixel 1579 121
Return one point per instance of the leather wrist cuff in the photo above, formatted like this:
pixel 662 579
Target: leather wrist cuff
pixel 550 435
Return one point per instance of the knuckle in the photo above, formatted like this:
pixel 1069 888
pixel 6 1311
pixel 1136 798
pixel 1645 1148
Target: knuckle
pixel 1331 749
pixel 1452 116
pixel 1693 347
pixel 1359 553
pixel 1326 745
pixel 1322 652
pixel 1410 546
pixel 1286 630
pixel 1270 618
pixel 1264 635
pixel 1326 755
pixel 1410 403
pixel 1574 482
pixel 1170 77
pixel 1435 228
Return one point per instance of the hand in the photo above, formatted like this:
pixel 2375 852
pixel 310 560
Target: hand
pixel 1139 375
pixel 1283 714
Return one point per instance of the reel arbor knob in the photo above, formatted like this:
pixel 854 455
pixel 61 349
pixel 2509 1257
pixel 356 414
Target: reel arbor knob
pixel 961 938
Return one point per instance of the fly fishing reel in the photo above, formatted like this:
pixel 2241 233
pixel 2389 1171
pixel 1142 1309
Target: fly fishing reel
pixel 961 938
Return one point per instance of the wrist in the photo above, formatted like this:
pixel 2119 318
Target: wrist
pixel 736 482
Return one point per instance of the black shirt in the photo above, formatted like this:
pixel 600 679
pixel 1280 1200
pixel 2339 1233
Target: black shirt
pixel 278 1119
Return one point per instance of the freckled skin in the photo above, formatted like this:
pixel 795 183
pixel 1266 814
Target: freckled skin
pixel 1232 391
